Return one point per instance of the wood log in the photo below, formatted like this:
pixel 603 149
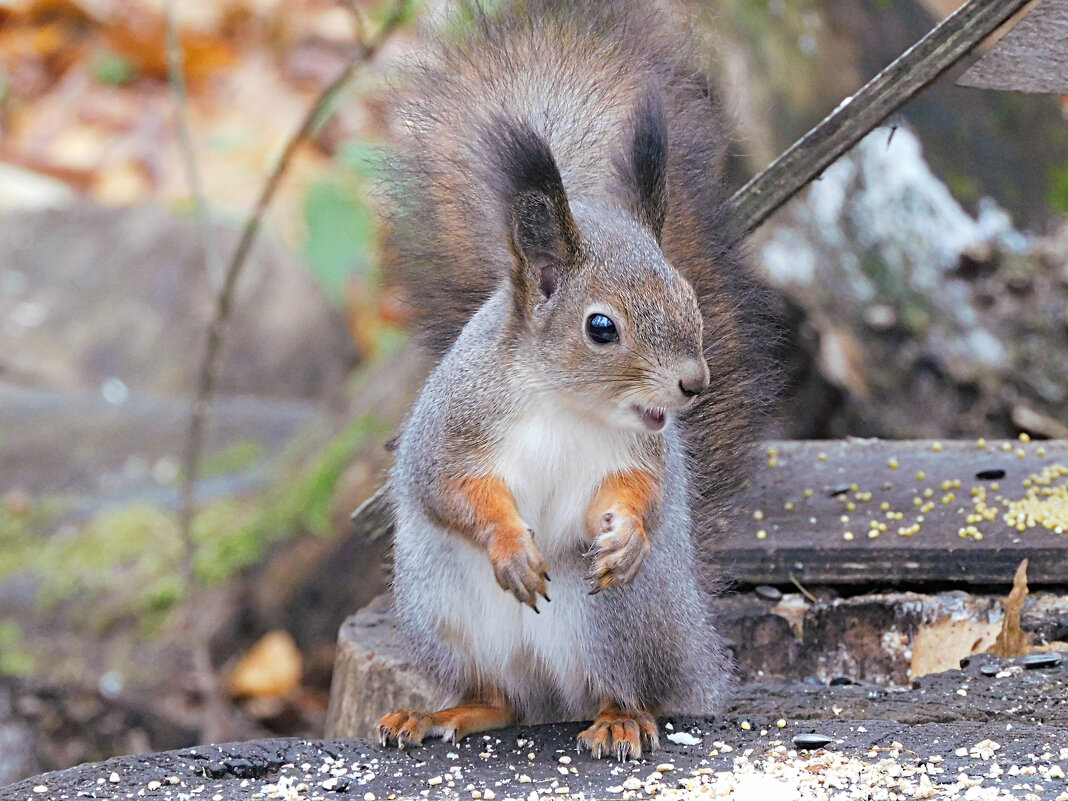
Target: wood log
pixel 372 675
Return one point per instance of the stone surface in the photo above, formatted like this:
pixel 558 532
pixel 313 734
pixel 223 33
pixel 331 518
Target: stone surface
pixel 116 301
pixel 954 723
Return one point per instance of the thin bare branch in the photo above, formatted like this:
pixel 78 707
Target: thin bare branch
pixel 198 637
pixel 224 303
pixel 858 115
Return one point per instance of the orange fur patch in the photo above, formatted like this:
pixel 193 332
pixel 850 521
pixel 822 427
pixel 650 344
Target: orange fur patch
pixel 493 521
pixel 631 493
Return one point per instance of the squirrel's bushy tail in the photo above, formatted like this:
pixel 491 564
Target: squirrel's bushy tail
pixel 577 73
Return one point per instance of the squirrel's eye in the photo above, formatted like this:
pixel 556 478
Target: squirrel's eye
pixel 601 329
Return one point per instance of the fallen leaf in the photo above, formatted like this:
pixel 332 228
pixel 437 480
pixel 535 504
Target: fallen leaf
pixel 1012 641
pixel 271 668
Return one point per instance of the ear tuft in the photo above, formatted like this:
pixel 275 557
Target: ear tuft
pixel 542 232
pixel 643 168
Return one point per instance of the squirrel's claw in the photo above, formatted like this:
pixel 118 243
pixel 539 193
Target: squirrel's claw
pixel 625 735
pixel 403 727
pixel 519 567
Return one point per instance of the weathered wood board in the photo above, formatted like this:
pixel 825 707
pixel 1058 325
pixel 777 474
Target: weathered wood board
pixel 1032 57
pixel 802 500
pixel 821 502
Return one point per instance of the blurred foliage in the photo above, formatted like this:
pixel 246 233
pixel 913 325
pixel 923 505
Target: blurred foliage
pixel 15 658
pixel 232 459
pixel 1057 188
pixel 125 562
pixel 340 242
pixel 112 69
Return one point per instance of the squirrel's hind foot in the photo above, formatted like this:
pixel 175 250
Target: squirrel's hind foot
pixel 620 733
pixel 405 726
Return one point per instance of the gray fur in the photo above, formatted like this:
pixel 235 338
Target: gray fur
pixel 581 78
pixel 651 643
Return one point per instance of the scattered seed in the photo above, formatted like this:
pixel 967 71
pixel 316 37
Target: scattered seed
pixel 768 592
pixel 810 742
pixel 683 738
pixel 1041 660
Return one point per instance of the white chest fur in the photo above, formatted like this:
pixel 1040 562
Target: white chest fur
pixel 553 460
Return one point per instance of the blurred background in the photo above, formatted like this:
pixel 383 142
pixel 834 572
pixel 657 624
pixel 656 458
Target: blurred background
pixel 923 282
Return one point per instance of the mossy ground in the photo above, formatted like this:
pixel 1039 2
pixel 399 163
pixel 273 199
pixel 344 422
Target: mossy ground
pixel 120 571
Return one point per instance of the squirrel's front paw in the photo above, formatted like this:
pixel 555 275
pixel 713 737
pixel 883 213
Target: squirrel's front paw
pixel 618 550
pixel 518 566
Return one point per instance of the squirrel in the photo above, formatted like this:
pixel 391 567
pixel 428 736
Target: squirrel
pixel 560 220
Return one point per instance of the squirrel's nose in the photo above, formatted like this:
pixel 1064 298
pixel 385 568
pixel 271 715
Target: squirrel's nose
pixel 694 379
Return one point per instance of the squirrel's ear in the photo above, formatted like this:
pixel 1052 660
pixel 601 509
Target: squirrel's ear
pixel 542 242
pixel 643 167
pixel 542 233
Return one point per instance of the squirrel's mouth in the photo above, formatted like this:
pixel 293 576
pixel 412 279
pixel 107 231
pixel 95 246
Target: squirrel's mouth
pixel 652 418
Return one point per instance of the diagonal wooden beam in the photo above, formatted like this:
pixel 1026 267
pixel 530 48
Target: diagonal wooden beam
pixel 858 115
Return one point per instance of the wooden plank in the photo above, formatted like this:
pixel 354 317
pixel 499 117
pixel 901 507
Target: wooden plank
pixel 803 506
pixel 805 533
pixel 1032 57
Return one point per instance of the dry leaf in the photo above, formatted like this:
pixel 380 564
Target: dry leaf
pixel 1012 641
pixel 271 668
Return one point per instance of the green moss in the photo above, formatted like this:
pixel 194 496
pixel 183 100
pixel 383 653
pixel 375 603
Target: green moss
pixel 125 564
pixel 963 187
pixel 15 660
pixel 307 500
pixel 232 459
pixel 20 534
pixel 121 553
pixel 1057 188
